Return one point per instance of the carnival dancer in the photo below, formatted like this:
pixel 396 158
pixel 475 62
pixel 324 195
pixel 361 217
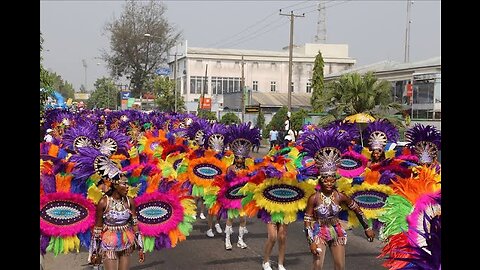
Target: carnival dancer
pixel 116 233
pixel 425 141
pixel 241 138
pixel 322 224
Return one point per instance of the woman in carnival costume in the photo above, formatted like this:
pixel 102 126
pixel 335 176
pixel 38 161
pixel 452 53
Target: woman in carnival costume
pixel 116 232
pixel 241 139
pixel 276 193
pixel 322 224
pixel 380 133
pixel 425 142
pixel 215 138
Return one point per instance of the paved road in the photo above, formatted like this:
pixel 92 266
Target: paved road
pixel 201 252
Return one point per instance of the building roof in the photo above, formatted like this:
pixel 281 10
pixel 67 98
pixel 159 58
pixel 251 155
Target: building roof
pixel 388 65
pixel 299 100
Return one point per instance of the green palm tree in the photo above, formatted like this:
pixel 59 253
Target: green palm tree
pixel 355 93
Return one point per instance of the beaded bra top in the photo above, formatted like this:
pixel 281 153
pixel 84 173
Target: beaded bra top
pixel 327 208
pixel 116 214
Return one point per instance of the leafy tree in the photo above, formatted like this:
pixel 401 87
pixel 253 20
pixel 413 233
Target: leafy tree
pixel 82 89
pixel 104 96
pixel 46 81
pixel 317 84
pixel 354 93
pixel 133 54
pixel 260 120
pixel 230 118
pixel 277 122
pixel 297 119
pixel 63 87
pixel 164 91
pixel 209 115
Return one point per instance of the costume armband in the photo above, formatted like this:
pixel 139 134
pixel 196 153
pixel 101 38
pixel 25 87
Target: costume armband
pixel 134 221
pixel 359 213
pixel 139 240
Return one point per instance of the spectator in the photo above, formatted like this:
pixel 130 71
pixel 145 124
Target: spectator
pixel 273 138
pixel 48 137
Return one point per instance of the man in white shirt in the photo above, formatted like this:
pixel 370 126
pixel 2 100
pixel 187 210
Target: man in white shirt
pixel 48 137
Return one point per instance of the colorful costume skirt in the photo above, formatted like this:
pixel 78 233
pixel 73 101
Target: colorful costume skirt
pixel 331 234
pixel 117 241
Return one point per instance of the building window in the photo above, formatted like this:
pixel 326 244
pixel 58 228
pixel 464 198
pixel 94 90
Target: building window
pixel 197 85
pixel 399 92
pixel 309 86
pixel 255 86
pixel 273 86
pixel 236 85
pixel 423 92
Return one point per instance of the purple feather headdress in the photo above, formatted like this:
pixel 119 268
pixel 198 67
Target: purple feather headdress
pixel 113 141
pixel 196 131
pixel 348 129
pixel 81 135
pixel 56 117
pixel 326 147
pixel 215 137
pixel 89 160
pixel 379 133
pixel 241 137
pixel 425 141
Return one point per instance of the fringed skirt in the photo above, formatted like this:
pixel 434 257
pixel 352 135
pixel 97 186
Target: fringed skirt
pixel 330 234
pixel 117 241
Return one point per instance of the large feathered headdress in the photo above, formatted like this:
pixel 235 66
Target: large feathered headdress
pixel 241 138
pixel 425 141
pixel 196 131
pixel 90 160
pixel 326 147
pixel 379 133
pixel 81 135
pixel 215 137
pixel 347 129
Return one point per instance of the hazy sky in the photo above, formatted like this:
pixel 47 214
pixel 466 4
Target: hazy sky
pixel 373 30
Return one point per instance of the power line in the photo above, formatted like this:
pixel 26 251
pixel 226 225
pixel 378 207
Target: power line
pixel 271 29
pixel 250 27
pixel 244 30
pixel 253 34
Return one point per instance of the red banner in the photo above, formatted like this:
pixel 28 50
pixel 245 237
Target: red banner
pixel 409 90
pixel 205 103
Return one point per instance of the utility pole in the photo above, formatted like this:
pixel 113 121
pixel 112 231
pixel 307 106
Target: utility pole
pixel 242 87
pixel 85 66
pixel 290 53
pixel 175 78
pixel 202 96
pixel 407 32
pixel 321 36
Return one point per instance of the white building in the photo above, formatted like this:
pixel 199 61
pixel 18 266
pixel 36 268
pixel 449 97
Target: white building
pixel 218 72
pixel 417 85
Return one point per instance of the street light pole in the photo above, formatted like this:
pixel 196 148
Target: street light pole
pixel 290 57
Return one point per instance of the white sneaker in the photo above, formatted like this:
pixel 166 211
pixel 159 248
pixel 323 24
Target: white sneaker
pixel 266 266
pixel 241 244
pixel 228 244
pixel 281 267
pixel 202 216
pixel 210 233
pixel 218 228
